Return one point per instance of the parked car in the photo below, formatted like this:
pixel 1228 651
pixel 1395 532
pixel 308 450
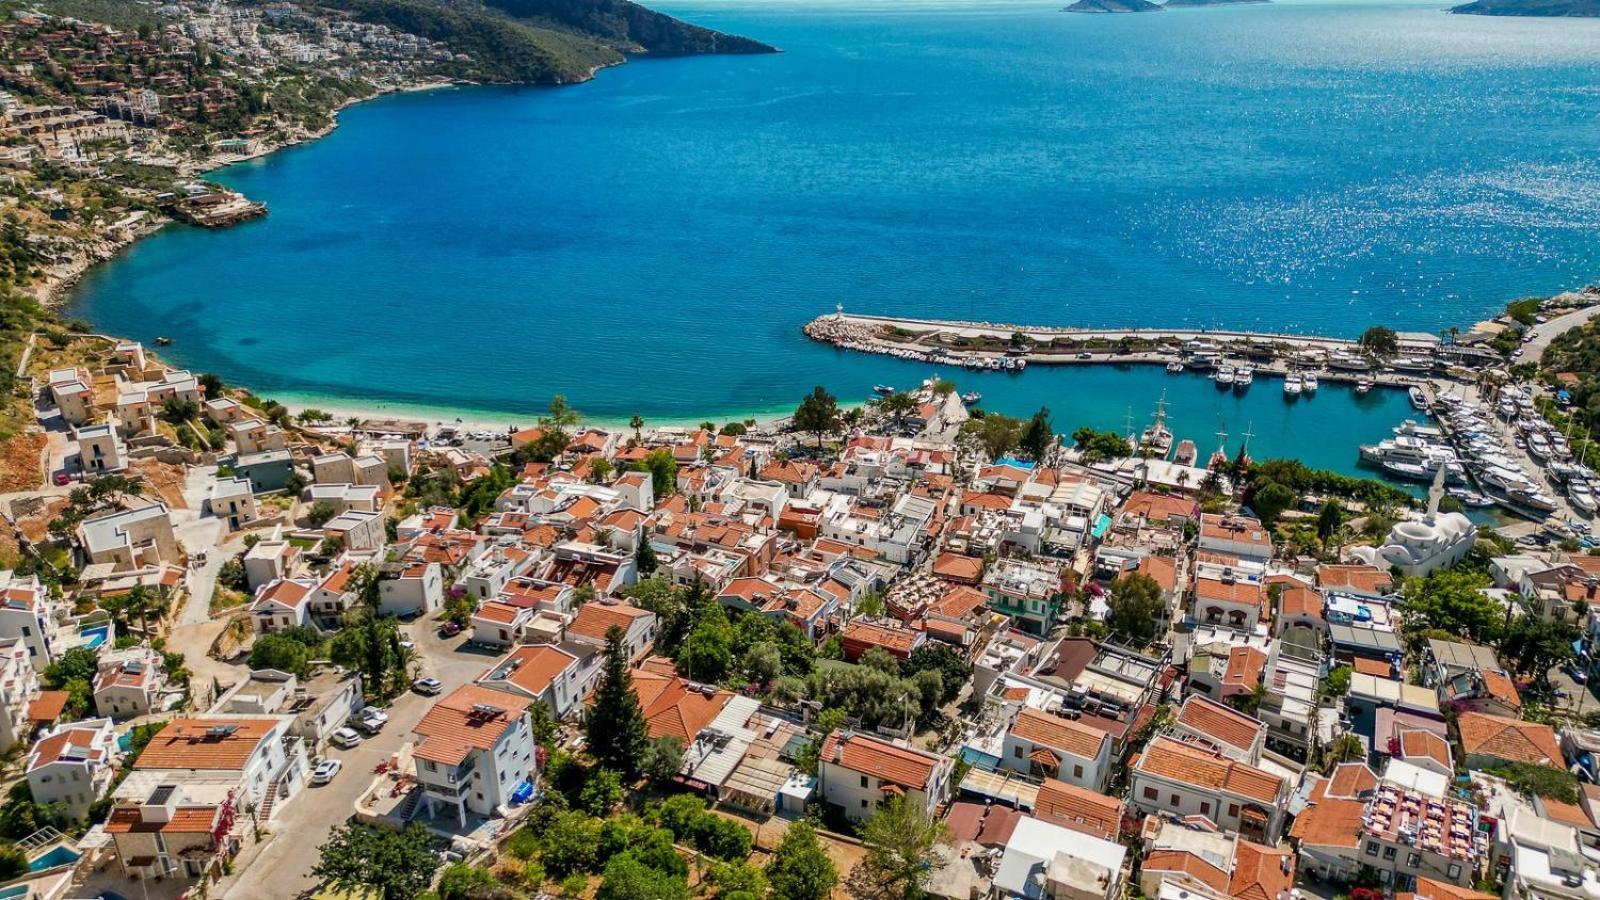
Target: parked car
pixel 1577 674
pixel 450 628
pixel 428 686
pixel 325 771
pixel 373 712
pixel 344 737
pixel 62 479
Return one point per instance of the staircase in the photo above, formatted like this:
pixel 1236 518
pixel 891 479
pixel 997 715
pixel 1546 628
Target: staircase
pixel 408 806
pixel 264 814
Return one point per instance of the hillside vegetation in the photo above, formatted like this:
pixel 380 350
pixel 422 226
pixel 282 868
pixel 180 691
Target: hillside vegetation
pixel 543 41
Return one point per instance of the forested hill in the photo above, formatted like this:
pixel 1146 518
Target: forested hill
pixel 542 41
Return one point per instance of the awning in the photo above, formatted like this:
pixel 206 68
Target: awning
pixel 1045 758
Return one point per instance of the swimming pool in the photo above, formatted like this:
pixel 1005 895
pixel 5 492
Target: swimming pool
pixel 61 855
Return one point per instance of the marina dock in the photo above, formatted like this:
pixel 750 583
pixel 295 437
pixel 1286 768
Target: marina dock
pixel 998 346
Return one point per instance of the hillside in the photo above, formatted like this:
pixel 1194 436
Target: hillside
pixel 1113 6
pixel 1544 8
pixel 542 41
pixel 1187 3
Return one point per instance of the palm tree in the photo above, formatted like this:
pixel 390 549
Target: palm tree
pixel 637 424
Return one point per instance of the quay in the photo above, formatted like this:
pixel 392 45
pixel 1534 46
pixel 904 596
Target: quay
pixel 987 345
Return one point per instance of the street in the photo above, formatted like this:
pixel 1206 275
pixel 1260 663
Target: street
pixel 281 865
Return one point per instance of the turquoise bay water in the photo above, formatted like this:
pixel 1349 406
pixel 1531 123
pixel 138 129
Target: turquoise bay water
pixel 652 241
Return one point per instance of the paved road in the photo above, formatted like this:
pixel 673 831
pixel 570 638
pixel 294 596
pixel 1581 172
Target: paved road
pixel 283 865
pixel 1545 333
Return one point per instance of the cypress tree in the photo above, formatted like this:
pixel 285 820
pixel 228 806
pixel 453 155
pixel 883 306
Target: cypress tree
pixel 615 725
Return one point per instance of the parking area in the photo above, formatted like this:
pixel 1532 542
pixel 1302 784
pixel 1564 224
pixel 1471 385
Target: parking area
pixel 281 866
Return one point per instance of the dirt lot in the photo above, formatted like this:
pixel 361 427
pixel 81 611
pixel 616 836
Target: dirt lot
pixel 165 479
pixel 19 462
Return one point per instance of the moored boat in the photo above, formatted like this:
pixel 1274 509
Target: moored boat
pixel 1363 386
pixel 1174 367
pixel 882 389
pixel 1308 382
pixel 1292 385
pixel 1224 376
pixel 1243 377
pixel 1419 397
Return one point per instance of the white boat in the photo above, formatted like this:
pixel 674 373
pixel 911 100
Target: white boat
pixel 1174 367
pixel 971 397
pixel 1532 498
pixel 1363 386
pixel 1538 446
pixel 882 389
pixel 1308 382
pixel 1243 377
pixel 1292 385
pixel 1224 376
pixel 1470 497
pixel 1187 453
pixel 1419 398
pixel 1157 439
pixel 1582 497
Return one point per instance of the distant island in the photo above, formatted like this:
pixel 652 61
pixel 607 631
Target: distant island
pixel 1544 8
pixel 1183 3
pixel 1113 6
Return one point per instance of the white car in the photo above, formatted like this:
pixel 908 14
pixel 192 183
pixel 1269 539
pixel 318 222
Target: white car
pixel 344 737
pixel 374 713
pixel 428 686
pixel 325 771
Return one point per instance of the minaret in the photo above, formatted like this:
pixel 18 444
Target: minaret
pixel 1436 493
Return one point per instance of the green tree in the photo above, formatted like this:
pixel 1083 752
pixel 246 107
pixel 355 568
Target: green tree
pixel 627 878
pixel 570 841
pixel 601 792
pixel 953 668
pixel 1269 499
pixel 707 654
pixel 1037 435
pixel 637 424
pixel 1136 607
pixel 1451 601
pixel 272 651
pixel 897 406
pixel 995 434
pixel 77 663
pixel 398 864
pixel 1099 445
pixel 1379 341
pixel 1337 684
pixel 13 861
pixel 1534 646
pixel 763 662
pixel 899 838
pixel 460 881
pixel 800 868
pixel 663 757
pixel 735 881
pixel 320 513
pixel 663 469
pixel 615 725
pixel 1329 520
pixel 817 414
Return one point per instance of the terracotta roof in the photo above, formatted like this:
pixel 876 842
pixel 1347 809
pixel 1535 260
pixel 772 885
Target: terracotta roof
pixel 879 759
pixel 1164 569
pixel 958 567
pixel 1180 861
pixel 1245 666
pixel 1350 781
pixel 497 612
pixel 75 742
pixel 990 826
pixel 1500 686
pixel 285 592
pixel 1043 729
pixel 1416 743
pixel 185 820
pixel 535 667
pixel 900 641
pixel 1429 889
pixel 1158 507
pixel 461 721
pixel 596 617
pixel 1235 528
pixel 1381 668
pixel 1330 823
pixel 1227 592
pixel 672 708
pixel 1220 722
pixel 1299 600
pixel 1178 762
pixel 1566 813
pixel 214 742
pixel 48 706
pixel 958 603
pixel 1079 809
pixel 1260 873
pixel 1355 577
pixel 1512 740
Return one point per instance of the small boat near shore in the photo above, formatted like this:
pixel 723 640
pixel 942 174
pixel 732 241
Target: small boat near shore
pixel 971 397
pixel 1174 367
pixel 1292 385
pixel 883 389
pixel 1308 382
pixel 1419 398
pixel 1243 377
pixel 1224 376
pixel 163 341
pixel 1363 386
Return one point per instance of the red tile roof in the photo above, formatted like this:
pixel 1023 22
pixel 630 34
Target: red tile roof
pixel 596 617
pixel 464 720
pixel 1512 740
pixel 1043 729
pixel 1178 762
pixel 185 820
pixel 1220 722
pixel 1079 809
pixel 213 742
pixel 879 759
pixel 533 667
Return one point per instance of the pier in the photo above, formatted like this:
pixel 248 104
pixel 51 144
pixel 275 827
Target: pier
pixel 997 346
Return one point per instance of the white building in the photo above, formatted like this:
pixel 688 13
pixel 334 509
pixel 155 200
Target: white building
pixel 858 772
pixel 100 450
pixel 74 765
pixel 474 750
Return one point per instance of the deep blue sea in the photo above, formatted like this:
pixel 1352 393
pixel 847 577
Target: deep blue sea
pixel 651 242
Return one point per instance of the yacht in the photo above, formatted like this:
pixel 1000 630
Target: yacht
pixel 971 397
pixel 1363 386
pixel 1470 497
pixel 1532 498
pixel 1419 398
pixel 1174 367
pixel 1187 453
pixel 1224 376
pixel 1308 382
pixel 1292 385
pixel 1582 497
pixel 1538 446
pixel 884 389
pixel 1242 378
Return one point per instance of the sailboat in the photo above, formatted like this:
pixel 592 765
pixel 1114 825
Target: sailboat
pixel 1157 439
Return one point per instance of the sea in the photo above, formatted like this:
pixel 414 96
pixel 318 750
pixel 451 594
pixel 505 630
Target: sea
pixel 650 243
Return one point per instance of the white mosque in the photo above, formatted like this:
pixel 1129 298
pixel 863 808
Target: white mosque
pixel 1417 547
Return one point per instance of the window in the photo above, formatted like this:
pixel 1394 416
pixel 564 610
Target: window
pixel 1017 751
pixel 1454 871
pixel 863 781
pixel 1176 800
pixel 1205 808
pixel 1414 859
pixel 1233 810
pixel 863 804
pixel 1389 853
pixel 1372 848
pixel 1077 771
pixel 1150 793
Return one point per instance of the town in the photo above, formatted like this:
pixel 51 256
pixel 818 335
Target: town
pixel 910 648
